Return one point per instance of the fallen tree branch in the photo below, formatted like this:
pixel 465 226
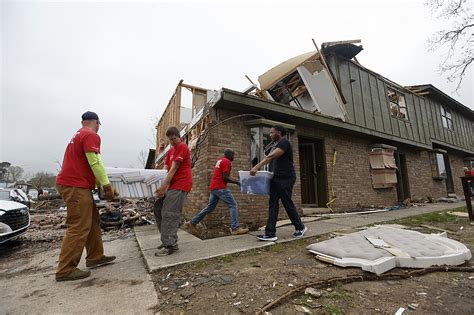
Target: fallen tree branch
pixel 359 278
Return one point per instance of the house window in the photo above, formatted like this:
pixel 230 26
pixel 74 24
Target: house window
pixel 441 165
pixel 438 166
pixel 398 106
pixel 261 145
pixel 446 118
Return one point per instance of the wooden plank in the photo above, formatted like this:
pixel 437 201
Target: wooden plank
pixel 346 88
pixel 367 100
pixel 384 106
pixel 374 95
pixel 357 96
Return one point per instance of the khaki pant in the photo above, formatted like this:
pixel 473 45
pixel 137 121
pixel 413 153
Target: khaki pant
pixel 83 229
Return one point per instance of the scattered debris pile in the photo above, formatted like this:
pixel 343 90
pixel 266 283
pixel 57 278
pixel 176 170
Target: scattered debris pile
pixel 127 213
pixel 48 218
pixel 44 205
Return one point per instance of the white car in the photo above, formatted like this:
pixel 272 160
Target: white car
pixel 14 220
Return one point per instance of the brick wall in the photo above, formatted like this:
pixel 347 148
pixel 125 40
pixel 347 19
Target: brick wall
pixel 420 176
pixel 422 184
pixel 352 175
pixel 457 169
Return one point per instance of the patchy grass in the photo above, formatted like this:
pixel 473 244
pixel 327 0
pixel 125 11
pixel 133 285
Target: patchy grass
pixel 333 310
pixel 200 264
pixel 339 293
pixel 225 259
pixel 434 217
pixel 251 252
pixel 277 248
pixel 460 209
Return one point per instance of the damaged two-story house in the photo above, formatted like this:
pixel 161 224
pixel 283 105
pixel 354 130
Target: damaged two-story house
pixel 359 139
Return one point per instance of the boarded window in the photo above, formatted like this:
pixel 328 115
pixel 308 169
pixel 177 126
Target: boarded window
pixel 383 168
pixel 446 118
pixel 398 105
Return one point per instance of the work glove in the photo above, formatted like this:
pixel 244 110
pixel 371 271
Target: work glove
pixel 109 192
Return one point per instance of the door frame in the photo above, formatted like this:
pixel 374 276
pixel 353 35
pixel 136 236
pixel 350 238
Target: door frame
pixel 321 184
pixel 449 175
pixel 403 183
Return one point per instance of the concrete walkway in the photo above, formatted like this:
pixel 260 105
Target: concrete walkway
pixel 27 286
pixel 193 249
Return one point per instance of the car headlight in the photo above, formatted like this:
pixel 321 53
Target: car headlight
pixel 5 228
pixel 2 212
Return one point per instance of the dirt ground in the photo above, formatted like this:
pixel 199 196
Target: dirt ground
pixel 246 282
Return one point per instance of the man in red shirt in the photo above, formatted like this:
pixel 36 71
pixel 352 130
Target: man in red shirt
pixel 219 191
pixel 172 193
pixel 82 168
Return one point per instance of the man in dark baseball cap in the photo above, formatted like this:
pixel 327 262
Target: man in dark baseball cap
pixel 90 116
pixel 81 170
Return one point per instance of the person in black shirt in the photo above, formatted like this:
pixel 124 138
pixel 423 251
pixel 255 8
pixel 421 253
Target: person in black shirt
pixel 281 186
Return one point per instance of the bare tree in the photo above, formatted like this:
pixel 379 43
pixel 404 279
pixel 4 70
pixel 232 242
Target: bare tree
pixel 43 180
pixel 59 164
pixel 458 38
pixel 4 170
pixel 154 122
pixel 142 157
pixel 14 173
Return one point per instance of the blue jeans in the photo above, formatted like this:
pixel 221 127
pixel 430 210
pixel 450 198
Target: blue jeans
pixel 281 189
pixel 216 195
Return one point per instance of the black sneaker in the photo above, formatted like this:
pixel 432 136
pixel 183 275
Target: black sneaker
pixel 300 233
pixel 265 237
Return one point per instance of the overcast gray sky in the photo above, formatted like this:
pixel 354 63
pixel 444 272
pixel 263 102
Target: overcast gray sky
pixel 123 60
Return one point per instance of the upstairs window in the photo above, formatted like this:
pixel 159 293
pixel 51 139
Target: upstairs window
pixel 446 118
pixel 398 106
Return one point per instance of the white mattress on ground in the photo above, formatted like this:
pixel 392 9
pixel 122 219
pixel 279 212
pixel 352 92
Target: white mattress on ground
pixel 379 249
